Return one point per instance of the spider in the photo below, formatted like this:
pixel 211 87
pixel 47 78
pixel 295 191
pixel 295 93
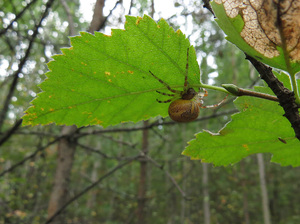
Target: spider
pixel 186 104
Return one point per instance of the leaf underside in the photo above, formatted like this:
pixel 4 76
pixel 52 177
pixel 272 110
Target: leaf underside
pixel 253 27
pixel 105 80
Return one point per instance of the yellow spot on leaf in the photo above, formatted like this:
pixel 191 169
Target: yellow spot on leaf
pixel 51 109
pixel 178 32
pixel 131 72
pixel 158 26
pixel 50 96
pixel 246 147
pixel 107 73
pixel 109 80
pixel 42 109
pixel 97 121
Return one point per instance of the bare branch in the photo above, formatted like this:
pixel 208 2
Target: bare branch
pixel 8 133
pixel 70 18
pixel 208 6
pixel 169 176
pixel 28 157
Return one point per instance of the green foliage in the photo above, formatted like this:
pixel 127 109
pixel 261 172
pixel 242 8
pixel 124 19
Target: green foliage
pixel 259 127
pixel 105 79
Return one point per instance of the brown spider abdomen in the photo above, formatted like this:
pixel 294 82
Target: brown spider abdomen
pixel 183 110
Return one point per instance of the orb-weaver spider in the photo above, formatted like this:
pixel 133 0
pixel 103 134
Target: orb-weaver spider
pixel 186 104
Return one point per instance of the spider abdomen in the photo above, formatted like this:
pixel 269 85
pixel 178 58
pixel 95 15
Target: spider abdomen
pixel 183 110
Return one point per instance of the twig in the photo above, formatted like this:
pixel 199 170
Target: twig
pixel 154 124
pixel 243 92
pixel 70 18
pixel 208 6
pixel 28 157
pixel 169 176
pixel 9 133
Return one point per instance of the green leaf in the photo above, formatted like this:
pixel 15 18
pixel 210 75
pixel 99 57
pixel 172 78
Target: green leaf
pixel 266 52
pixel 105 79
pixel 260 127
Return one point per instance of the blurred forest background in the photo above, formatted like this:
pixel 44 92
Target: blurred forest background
pixel 131 173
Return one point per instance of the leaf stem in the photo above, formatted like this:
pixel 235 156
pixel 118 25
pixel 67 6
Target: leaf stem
pixel 233 89
pixel 236 91
pixel 206 86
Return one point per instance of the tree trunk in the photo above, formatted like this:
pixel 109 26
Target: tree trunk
pixel 264 191
pixel 98 18
pixel 59 196
pixel 206 206
pixel 143 180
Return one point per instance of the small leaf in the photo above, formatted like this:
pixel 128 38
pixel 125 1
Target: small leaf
pixel 105 80
pixel 258 128
pixel 266 30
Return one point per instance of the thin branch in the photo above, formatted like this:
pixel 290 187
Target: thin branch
pixel 89 188
pixel 154 124
pixel 130 7
pixel 110 13
pixel 28 157
pixel 119 141
pixel 9 133
pixel 168 175
pixel 208 6
pixel 17 17
pixel 70 18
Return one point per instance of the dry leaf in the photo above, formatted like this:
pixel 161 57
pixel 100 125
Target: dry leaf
pixel 268 23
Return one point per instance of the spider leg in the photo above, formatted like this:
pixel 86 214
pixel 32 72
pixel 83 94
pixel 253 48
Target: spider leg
pixel 165 101
pixel 203 94
pixel 165 84
pixel 214 105
pixel 166 94
pixel 186 69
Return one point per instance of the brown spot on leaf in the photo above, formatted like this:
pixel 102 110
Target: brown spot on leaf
pixel 268 24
